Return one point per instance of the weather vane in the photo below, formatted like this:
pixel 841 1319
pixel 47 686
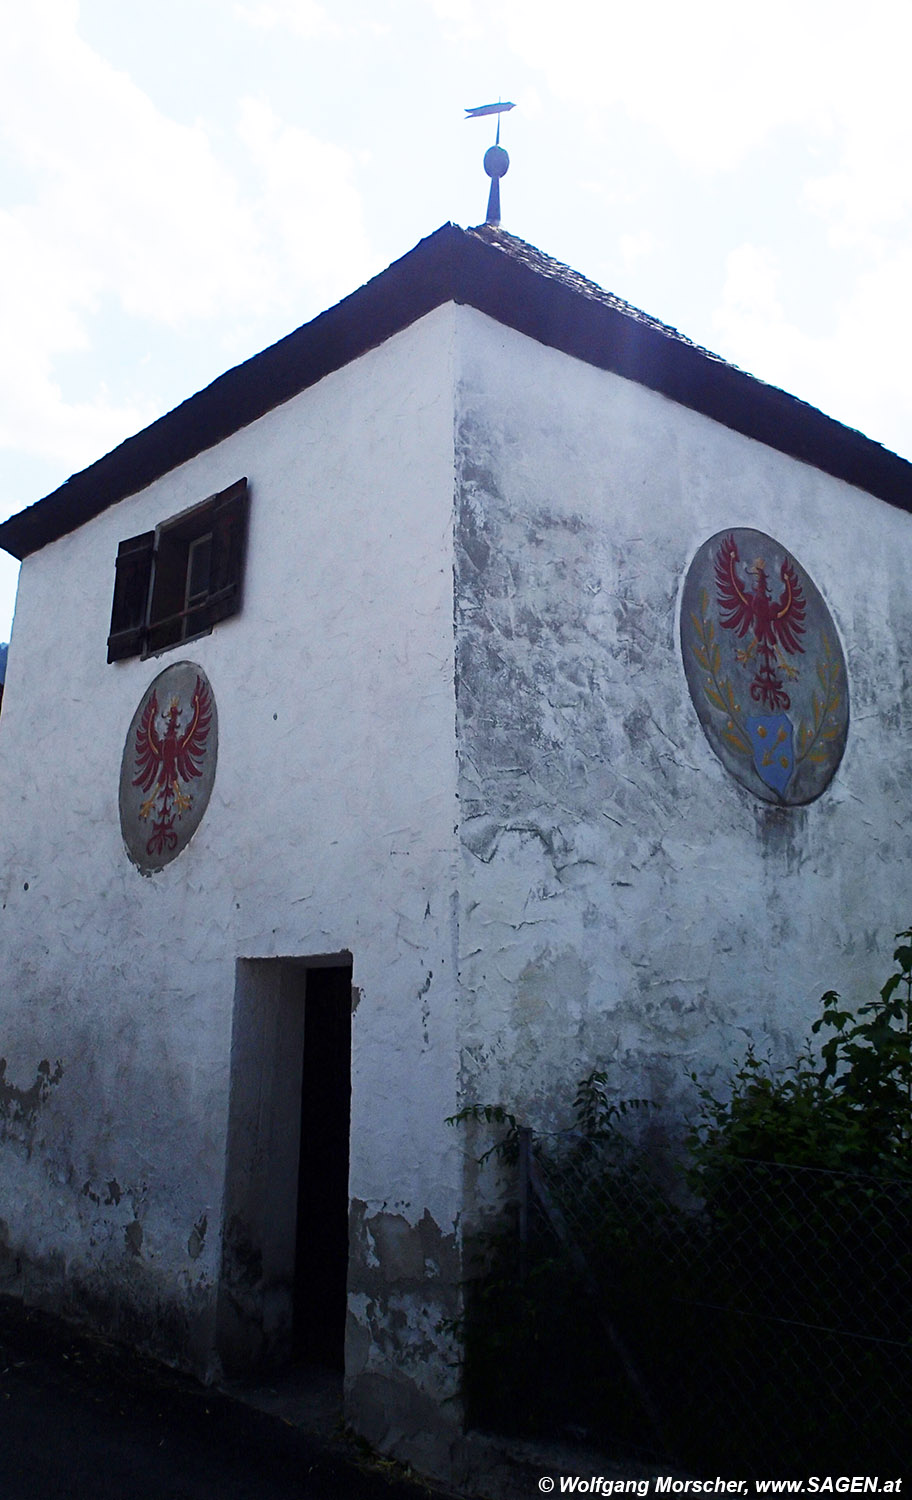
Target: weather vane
pixel 496 160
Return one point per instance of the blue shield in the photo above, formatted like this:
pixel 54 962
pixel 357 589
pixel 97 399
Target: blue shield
pixel 772 741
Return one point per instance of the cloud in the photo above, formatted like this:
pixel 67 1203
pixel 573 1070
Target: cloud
pixel 44 313
pixel 709 77
pixel 712 79
pixel 308 208
pixel 634 247
pixel 464 20
pixel 869 331
pixel 139 202
pixel 809 99
pixel 303 17
pixel 133 215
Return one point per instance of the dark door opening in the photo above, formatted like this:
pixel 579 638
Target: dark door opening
pixel 282 1291
pixel 321 1252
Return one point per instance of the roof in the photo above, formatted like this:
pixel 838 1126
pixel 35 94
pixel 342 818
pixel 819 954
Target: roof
pixel 491 270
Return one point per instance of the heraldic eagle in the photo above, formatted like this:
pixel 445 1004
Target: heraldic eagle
pixel 164 762
pixel 774 623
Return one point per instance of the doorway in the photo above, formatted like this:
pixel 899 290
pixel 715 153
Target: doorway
pixel 321 1255
pixel 282 1292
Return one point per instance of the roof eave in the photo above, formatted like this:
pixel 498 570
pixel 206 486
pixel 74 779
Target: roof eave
pixel 465 267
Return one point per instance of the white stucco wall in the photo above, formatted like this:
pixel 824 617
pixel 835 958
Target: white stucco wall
pixel 531 801
pixel 330 828
pixel 624 903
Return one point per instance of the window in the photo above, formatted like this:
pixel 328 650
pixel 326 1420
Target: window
pixel 181 579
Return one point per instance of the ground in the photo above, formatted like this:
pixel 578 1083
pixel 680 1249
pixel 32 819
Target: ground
pixel 83 1419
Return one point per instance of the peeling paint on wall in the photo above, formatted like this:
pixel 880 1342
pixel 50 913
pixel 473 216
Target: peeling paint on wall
pixel 133 1237
pixel 112 1193
pixel 401 1368
pixel 622 903
pixel 560 833
pixel 19 1107
pixel 332 805
pixel 197 1237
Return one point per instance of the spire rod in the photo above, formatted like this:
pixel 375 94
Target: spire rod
pixel 496 160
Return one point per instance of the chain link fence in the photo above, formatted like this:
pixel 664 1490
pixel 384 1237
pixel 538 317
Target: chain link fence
pixel 755 1318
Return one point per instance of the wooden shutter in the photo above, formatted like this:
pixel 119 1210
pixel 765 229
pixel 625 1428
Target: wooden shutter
pixel 229 551
pixel 131 593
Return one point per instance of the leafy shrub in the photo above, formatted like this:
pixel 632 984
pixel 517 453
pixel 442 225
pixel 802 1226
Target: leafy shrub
pixel 784 1289
pixel 849 1109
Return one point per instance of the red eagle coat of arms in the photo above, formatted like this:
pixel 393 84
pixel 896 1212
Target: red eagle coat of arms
pixel 764 666
pixel 168 766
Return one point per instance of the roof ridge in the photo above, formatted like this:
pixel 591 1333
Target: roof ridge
pixel 548 265
pixel 507 279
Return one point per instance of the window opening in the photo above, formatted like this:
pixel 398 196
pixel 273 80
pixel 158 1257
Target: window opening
pixel 178 581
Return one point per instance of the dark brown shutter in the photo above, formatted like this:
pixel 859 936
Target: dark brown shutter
pixel 229 550
pixel 131 593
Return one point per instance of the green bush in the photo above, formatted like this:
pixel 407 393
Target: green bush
pixel 851 1108
pixel 780 1281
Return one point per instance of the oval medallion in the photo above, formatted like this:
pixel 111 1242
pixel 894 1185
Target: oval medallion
pixel 168 766
pixel 764 666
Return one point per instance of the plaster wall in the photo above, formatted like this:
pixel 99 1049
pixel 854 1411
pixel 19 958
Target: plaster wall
pixel 624 902
pixel 560 832
pixel 330 830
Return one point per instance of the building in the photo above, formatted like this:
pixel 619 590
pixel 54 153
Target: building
pixel 452 698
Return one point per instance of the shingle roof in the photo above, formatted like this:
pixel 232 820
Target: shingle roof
pixel 545 265
pixel 514 283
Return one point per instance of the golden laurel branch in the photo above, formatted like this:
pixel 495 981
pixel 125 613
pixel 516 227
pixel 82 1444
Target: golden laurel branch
pixel 718 690
pixel 814 738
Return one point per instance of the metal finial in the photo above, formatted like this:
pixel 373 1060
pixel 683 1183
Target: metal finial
pixel 496 160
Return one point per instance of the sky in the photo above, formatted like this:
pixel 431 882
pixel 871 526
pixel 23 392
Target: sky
pixel 183 183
